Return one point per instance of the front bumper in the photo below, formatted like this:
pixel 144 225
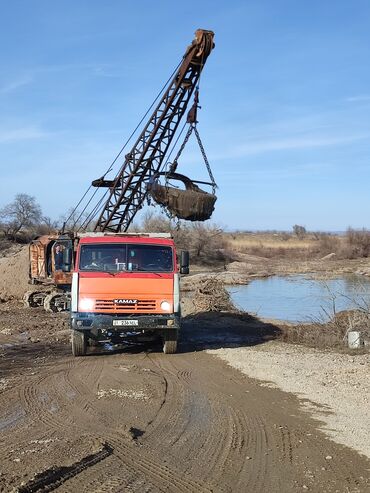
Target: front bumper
pixel 96 321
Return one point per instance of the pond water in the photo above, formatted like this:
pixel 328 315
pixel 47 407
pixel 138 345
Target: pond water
pixel 301 298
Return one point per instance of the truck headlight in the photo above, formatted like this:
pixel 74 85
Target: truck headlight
pixel 165 306
pixel 86 304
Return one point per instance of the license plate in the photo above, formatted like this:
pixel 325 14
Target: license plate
pixel 126 322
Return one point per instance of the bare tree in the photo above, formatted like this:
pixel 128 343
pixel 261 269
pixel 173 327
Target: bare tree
pixel 74 220
pixel 206 242
pixel 299 231
pixel 47 226
pixel 156 223
pixel 24 212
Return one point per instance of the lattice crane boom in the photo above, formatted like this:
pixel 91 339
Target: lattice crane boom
pixel 129 188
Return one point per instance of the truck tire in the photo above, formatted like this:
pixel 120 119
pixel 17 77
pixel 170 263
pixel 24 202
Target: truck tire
pixel 170 342
pixel 79 343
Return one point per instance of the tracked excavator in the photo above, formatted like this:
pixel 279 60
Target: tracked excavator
pixel 57 263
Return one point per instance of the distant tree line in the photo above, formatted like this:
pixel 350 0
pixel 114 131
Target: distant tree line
pixel 22 219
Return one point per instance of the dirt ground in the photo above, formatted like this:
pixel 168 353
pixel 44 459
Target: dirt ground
pixel 334 387
pixel 138 420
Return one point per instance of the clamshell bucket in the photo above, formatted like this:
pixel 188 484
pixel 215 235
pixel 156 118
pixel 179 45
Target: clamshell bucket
pixel 191 204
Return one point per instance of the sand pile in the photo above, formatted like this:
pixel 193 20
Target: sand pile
pixel 14 275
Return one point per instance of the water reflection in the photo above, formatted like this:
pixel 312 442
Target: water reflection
pixel 301 298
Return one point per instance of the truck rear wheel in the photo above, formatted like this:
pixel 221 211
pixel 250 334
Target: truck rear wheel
pixel 79 343
pixel 170 342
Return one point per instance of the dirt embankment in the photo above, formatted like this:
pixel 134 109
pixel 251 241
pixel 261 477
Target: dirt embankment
pixel 14 270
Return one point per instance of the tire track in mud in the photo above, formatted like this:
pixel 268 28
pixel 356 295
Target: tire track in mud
pixel 243 436
pixel 204 428
pixel 300 455
pixel 222 444
pixel 129 456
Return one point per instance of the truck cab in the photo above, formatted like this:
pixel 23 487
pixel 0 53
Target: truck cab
pixel 125 288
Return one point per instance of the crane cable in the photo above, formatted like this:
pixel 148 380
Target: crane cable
pixel 120 152
pixel 192 127
pixel 183 127
pixel 93 212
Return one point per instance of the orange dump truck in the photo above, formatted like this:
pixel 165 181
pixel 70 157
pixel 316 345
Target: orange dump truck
pixel 125 287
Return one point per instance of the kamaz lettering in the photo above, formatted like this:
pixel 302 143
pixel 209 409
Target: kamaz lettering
pixel 125 302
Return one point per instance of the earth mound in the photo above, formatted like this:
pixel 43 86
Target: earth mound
pixel 14 275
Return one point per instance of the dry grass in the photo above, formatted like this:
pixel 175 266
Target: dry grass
pixel 332 334
pixel 268 241
pixel 354 244
pixel 270 245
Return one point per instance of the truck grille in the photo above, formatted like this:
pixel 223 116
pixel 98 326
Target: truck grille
pixel 111 306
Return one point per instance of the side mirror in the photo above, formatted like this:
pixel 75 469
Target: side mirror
pixel 67 259
pixel 184 262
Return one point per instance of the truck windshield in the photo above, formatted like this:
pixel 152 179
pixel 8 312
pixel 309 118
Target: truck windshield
pixel 126 257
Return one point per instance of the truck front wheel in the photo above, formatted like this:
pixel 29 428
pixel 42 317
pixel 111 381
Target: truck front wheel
pixel 170 342
pixel 79 343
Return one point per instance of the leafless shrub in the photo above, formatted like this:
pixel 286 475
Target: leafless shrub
pixel 327 244
pixel 5 244
pixel 357 243
pixel 204 241
pixel 47 226
pixel 157 223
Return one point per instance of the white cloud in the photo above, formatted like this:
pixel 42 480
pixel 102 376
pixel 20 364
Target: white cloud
pixel 23 133
pixel 16 84
pixel 358 99
pixel 253 146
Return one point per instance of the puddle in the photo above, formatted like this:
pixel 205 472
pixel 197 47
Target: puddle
pixel 301 298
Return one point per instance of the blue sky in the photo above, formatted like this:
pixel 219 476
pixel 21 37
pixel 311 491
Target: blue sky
pixel 285 101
